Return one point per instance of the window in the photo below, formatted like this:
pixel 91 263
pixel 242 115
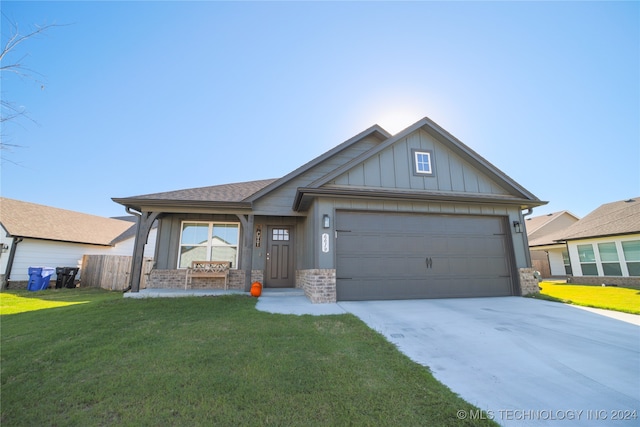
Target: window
pixel 609 258
pixel 587 260
pixel 280 234
pixel 208 241
pixel 567 263
pixel 422 162
pixel 631 250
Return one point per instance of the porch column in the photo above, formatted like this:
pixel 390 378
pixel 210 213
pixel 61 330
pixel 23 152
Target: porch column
pixel 145 222
pixel 246 261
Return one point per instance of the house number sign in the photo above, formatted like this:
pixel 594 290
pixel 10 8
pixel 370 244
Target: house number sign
pixel 325 242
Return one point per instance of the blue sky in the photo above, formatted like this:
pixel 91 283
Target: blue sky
pixel 142 97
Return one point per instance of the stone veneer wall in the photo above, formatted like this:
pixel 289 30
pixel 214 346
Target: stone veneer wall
pixel 174 279
pixel 632 282
pixel 319 284
pixel 257 276
pixel 528 281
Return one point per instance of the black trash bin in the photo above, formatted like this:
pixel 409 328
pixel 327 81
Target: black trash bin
pixel 66 277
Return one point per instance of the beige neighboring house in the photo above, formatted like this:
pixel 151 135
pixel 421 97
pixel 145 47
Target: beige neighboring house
pixel 604 246
pixel 34 235
pixel 549 256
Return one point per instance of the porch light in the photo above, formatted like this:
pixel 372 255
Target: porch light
pixel 326 221
pixel 517 227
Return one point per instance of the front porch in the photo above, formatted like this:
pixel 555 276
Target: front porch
pixel 318 285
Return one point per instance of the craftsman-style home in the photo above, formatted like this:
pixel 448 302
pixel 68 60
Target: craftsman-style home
pixel 414 215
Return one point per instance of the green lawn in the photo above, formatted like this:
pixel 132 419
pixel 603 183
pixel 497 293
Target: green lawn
pixel 608 297
pixel 91 357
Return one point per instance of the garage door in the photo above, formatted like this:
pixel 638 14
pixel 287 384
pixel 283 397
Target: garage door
pixel 404 256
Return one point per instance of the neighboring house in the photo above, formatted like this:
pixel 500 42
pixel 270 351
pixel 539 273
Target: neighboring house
pixel 549 256
pixel 414 215
pixel 34 235
pixel 604 246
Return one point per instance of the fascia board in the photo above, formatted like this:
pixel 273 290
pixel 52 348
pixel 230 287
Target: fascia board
pixel 304 192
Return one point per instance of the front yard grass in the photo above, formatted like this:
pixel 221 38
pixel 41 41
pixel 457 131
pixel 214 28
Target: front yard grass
pixel 107 360
pixel 616 298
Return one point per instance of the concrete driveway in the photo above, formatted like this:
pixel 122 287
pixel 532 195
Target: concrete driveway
pixel 524 361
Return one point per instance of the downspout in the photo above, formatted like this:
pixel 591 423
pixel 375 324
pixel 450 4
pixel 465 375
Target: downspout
pixel 138 214
pixel 526 238
pixel 12 255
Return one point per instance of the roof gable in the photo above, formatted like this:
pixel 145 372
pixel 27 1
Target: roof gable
pixel 621 217
pixel 23 219
pixel 546 229
pixel 459 171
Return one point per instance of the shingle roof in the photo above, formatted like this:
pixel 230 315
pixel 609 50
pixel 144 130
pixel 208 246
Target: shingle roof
pixel 547 229
pixel 622 217
pixel 534 223
pixel 235 192
pixel 24 219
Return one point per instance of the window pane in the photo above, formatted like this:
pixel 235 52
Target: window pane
pixel 192 253
pixel 611 269
pixel 280 234
pixel 194 234
pixel 423 162
pixel 634 268
pixel 224 253
pixel 225 234
pixel 586 254
pixel 631 250
pixel 565 258
pixel 608 252
pixel 589 270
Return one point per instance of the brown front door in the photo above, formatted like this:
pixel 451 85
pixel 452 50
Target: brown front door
pixel 280 273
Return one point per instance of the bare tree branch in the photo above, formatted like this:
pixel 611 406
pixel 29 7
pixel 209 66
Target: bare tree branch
pixel 9 111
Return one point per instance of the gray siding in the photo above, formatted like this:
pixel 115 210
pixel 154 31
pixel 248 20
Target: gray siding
pixel 280 200
pixel 393 168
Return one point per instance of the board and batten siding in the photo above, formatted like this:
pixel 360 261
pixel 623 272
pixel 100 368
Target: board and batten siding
pixel 280 200
pixel 393 168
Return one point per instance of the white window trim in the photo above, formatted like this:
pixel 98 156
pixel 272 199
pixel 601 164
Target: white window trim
pixel 416 170
pixel 209 244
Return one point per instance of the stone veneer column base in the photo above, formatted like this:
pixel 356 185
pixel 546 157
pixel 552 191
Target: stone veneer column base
pixel 528 281
pixel 319 284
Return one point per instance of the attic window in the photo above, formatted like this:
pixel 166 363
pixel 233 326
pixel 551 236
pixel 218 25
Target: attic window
pixel 422 162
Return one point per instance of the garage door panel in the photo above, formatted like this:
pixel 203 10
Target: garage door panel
pixel 399 256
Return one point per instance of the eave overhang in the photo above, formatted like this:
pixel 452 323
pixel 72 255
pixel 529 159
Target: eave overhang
pixel 597 236
pixel 13 236
pixel 183 206
pixel 305 195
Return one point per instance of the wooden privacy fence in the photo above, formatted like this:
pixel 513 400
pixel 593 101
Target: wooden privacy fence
pixel 111 271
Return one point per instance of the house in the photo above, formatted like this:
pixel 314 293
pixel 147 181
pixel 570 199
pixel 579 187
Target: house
pixel 34 235
pixel 414 215
pixel 604 246
pixel 548 255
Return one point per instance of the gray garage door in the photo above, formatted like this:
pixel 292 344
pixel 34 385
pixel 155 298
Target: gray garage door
pixel 403 256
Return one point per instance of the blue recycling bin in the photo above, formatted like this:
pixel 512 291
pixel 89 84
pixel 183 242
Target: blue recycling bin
pixel 39 278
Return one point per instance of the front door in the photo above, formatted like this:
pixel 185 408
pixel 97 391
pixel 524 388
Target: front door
pixel 280 272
